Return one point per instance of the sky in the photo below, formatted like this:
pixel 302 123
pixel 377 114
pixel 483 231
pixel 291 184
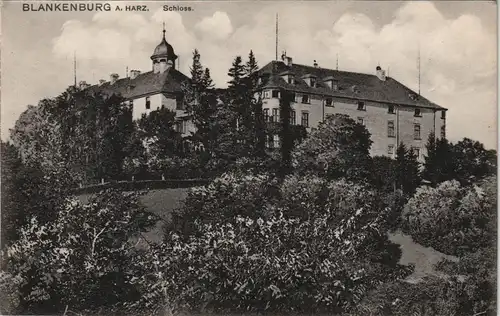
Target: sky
pixel 457 43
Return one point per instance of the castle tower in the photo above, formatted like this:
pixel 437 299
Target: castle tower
pixel 163 56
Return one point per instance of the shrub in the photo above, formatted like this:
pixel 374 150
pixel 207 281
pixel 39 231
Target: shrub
pixel 81 258
pixel 311 245
pixel 451 218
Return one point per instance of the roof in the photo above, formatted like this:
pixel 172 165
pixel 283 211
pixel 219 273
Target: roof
pixel 145 84
pixel 164 49
pixel 368 87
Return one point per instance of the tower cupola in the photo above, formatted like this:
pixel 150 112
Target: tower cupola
pixel 163 56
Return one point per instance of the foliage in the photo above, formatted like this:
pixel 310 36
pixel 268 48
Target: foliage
pixel 466 161
pixel 407 170
pixel 472 161
pixel 85 132
pixel 27 191
pixel 156 130
pixel 81 258
pixel 303 245
pixel 383 174
pixel 339 147
pixel 468 290
pixel 451 218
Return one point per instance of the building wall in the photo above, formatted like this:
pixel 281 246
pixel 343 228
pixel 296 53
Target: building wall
pixel 375 117
pixel 139 106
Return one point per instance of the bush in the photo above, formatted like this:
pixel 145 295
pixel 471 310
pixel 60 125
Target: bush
pixel 81 259
pixel 311 245
pixel 451 218
pixel 468 290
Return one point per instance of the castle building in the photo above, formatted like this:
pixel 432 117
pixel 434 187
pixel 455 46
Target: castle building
pixel 159 88
pixel 391 112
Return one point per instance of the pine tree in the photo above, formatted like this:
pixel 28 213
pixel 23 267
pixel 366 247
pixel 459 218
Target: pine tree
pixel 251 65
pixel 407 170
pixel 196 70
pixel 430 164
pixel 206 81
pixel 236 72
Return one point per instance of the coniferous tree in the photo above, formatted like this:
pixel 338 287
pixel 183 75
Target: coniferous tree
pixel 251 65
pixel 407 170
pixel 431 164
pixel 196 70
pixel 286 140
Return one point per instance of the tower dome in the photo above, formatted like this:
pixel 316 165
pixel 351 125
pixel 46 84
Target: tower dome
pixel 163 55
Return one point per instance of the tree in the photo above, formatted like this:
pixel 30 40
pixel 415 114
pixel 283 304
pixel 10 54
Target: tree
pixel 196 70
pixel 338 148
pixel 407 170
pixel 286 140
pixel 82 256
pixel 439 161
pixel 251 65
pixel 472 161
pixel 236 73
pixel 383 173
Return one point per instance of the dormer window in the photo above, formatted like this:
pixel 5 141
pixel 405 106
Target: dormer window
pixel 310 80
pixel 331 83
pixel 417 113
pixel 313 82
pixel 288 76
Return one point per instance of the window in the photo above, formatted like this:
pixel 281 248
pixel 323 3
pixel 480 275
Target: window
pixel 443 114
pixel 305 98
pixel 292 117
pixel 417 113
pixel 276 141
pixel 305 119
pixel 361 106
pixel 443 132
pixel 270 141
pixel 266 94
pixel 266 115
pixel 290 79
pixel 416 152
pixel 390 150
pixel 390 129
pixel 313 82
pixel 292 97
pixel 416 131
pixel 276 117
pixel 275 94
pixel 184 127
pixel 328 102
pixel 391 109
pixel 361 121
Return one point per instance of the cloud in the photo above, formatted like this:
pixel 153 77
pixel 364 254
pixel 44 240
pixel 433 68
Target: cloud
pixel 218 26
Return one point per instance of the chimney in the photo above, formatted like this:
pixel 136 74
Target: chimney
pixel 315 64
pixel 101 82
pixel 83 85
pixel 380 73
pixel 113 78
pixel 134 73
pixel 289 61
